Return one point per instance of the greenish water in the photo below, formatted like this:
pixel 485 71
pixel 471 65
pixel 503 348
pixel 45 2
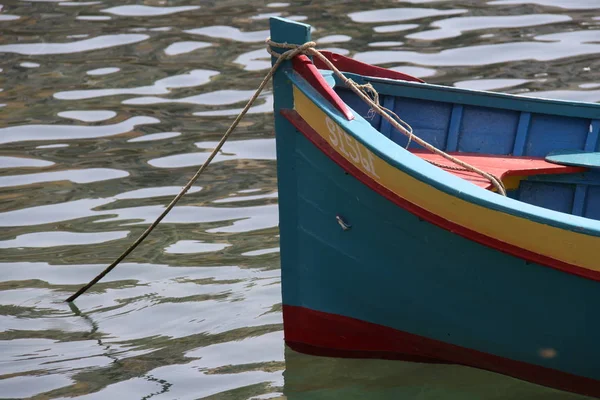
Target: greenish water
pixel 107 108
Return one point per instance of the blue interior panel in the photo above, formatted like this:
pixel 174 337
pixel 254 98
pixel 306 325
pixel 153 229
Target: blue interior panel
pixel 433 128
pixel 592 203
pixel 553 196
pixel 551 132
pixel 488 130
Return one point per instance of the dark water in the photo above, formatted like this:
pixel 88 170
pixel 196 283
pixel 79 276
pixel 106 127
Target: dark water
pixel 106 110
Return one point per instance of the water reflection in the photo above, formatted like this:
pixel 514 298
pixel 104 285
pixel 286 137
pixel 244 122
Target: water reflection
pixel 563 45
pixel 185 47
pixel 257 149
pixel 93 17
pixel 155 136
pixel 216 98
pixel 193 78
pixel 52 239
pixel 107 110
pixel 29 65
pixel 230 33
pixel 334 39
pixel 452 27
pixel 15 162
pixel 88 115
pixel 315 378
pixel 490 84
pixel 146 11
pixel 570 5
pixel 76 176
pixel 394 28
pixel 399 14
pixel 7 17
pixel 100 42
pixel 78 3
pixel 22 133
pixel 103 71
pixel 194 246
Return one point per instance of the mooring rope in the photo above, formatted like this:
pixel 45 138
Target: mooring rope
pixel 362 91
pixel 285 56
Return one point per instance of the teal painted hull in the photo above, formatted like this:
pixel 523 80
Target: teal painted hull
pixel 396 270
pixel 375 268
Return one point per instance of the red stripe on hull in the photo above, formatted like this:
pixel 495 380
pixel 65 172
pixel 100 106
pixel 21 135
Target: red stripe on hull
pixel 300 124
pixel 324 334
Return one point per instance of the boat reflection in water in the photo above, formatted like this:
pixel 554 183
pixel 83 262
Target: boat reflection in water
pixel 318 378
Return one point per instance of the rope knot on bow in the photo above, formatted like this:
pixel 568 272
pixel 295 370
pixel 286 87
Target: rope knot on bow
pixel 293 49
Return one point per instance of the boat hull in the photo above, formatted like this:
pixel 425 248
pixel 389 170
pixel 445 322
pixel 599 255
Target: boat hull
pixel 391 285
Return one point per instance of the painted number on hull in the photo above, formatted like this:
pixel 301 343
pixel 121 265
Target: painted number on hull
pixel 350 148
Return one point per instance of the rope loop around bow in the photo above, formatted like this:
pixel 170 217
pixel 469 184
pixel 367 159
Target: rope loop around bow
pixel 370 96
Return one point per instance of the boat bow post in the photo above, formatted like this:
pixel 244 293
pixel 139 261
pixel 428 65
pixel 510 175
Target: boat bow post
pixel 293 33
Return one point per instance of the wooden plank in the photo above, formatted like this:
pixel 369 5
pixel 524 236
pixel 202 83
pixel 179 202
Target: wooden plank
pixel 522 131
pixel 580 195
pixel 454 127
pixel 499 166
pixel 588 178
pixel 386 129
pixel 591 144
pixel 578 158
pixel 579 200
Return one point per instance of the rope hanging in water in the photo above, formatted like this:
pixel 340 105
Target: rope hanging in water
pixel 285 56
pixel 362 91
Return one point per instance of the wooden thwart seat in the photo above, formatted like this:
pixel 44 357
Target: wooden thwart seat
pixel 503 167
pixel 579 158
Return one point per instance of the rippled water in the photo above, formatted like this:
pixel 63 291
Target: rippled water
pixel 107 108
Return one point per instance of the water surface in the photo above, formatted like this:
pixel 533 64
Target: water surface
pixel 106 110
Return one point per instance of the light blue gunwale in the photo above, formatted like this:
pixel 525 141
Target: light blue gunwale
pixel 444 181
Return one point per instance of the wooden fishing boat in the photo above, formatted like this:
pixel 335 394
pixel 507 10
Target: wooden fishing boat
pixel 387 254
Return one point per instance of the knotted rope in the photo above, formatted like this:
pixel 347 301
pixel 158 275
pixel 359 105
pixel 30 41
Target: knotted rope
pixel 362 91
